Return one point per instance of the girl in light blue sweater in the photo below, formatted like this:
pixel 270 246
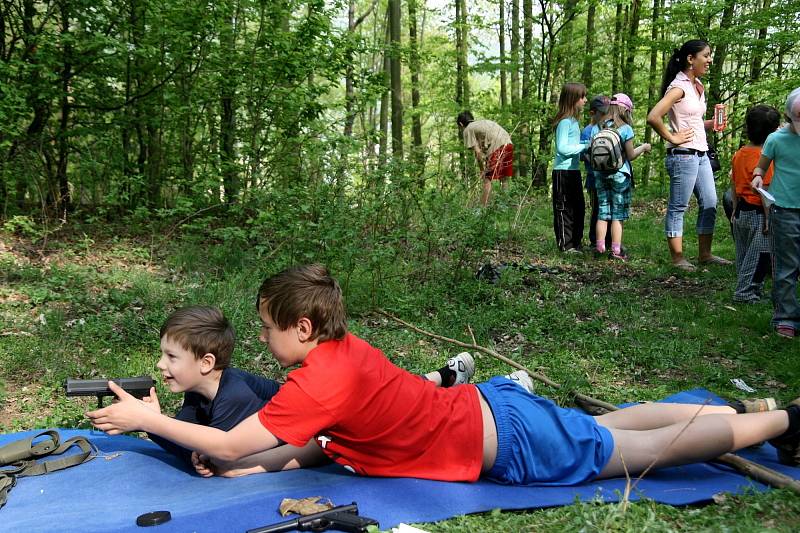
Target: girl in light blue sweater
pixel 568 203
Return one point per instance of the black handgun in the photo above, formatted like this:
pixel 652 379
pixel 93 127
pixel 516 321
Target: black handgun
pixel 139 387
pixel 342 518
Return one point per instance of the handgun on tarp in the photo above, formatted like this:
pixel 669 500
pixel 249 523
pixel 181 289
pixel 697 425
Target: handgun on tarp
pixel 341 518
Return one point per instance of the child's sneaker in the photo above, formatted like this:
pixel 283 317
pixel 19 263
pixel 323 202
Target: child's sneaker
pixel 464 367
pixel 785 331
pixel 788 449
pixel 619 257
pixel 521 378
pixel 758 405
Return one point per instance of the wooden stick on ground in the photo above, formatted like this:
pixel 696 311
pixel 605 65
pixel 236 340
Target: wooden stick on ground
pixel 749 468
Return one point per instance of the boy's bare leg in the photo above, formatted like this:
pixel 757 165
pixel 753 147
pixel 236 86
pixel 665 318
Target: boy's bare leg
pixel 658 415
pixel 487 191
pixel 689 442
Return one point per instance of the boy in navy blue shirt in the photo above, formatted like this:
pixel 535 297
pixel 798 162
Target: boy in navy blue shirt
pixel 196 347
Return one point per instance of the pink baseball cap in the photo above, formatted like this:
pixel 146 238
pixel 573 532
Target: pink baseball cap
pixel 793 109
pixel 622 100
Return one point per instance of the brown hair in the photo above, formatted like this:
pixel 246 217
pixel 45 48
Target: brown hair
pixel 202 330
pixel 570 94
pixel 305 291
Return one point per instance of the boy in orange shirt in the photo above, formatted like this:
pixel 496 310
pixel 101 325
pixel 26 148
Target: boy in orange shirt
pixel 348 402
pixel 749 216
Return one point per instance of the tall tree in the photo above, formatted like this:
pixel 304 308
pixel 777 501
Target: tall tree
pixel 652 79
pixel 462 45
pixel 414 67
pixel 588 48
pixel 631 48
pixel 396 78
pixel 501 33
pixel 616 53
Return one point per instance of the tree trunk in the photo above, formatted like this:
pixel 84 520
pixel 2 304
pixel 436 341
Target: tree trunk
pixel 383 142
pixel 515 56
pixel 227 92
pixel 64 200
pixel 720 56
pixel 503 74
pixel 652 84
pixel 632 45
pixel 588 49
pixel 462 67
pixel 616 54
pixel 349 91
pixel 527 63
pixel 418 154
pixel 396 80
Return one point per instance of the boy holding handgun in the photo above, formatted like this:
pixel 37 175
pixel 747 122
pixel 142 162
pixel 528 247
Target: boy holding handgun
pixel 348 401
pixel 196 347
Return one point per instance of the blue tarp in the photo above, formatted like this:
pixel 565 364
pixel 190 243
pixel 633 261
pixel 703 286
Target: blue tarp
pixel 107 494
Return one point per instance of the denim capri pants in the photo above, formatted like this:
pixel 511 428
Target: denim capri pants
pixel 690 174
pixel 540 443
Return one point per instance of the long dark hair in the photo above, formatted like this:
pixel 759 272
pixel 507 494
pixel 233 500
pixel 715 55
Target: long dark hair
pixel 678 62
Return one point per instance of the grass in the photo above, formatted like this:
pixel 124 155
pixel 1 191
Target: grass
pixel 89 301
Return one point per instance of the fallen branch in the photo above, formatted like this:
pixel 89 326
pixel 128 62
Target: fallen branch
pixel 758 472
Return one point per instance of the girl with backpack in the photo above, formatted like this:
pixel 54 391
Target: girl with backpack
pixel 569 206
pixel 614 185
pixel 684 100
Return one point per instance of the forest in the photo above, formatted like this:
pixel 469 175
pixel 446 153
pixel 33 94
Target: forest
pixel 161 154
pixel 114 107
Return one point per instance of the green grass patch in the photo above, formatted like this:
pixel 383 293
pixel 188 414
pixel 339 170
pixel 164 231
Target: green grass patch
pixel 90 303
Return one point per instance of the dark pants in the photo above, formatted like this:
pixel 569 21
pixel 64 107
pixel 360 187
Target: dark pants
pixel 569 208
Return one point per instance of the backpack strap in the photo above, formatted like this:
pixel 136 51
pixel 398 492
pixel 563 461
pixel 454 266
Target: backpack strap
pixel 7 483
pixel 25 449
pixel 19 458
pixel 32 468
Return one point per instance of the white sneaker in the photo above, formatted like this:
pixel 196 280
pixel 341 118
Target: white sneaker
pixel 521 378
pixel 464 367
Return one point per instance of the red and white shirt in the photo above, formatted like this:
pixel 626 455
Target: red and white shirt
pixel 377 419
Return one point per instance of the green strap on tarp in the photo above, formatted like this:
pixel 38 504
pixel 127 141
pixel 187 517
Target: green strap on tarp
pixel 18 459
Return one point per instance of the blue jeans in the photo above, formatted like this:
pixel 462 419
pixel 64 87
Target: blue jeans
pixel 784 229
pixel 690 174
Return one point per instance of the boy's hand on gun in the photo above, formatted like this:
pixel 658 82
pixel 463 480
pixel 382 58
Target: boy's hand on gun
pixel 122 416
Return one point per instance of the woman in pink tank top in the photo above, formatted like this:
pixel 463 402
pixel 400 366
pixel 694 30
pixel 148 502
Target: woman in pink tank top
pixel 684 102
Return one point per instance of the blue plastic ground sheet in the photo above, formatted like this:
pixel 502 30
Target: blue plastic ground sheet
pixel 107 494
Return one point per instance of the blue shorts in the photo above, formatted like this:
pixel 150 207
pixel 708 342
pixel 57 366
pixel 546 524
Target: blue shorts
pixel 540 443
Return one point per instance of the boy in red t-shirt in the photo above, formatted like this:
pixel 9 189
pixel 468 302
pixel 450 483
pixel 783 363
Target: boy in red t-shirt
pixel 749 218
pixel 350 403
